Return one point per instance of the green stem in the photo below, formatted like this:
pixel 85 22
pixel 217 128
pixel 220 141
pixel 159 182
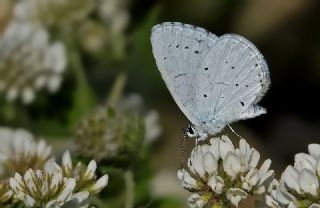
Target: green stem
pixel 128 177
pixel 117 90
pixel 83 97
pixel 78 69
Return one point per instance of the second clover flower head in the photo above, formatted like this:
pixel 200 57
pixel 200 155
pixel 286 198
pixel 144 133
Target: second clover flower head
pixel 42 189
pixel 299 184
pixel 85 176
pixel 29 61
pixel 218 172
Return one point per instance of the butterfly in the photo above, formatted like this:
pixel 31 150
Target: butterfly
pixel 215 81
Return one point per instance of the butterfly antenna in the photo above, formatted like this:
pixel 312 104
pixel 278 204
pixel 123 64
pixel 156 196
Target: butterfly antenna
pixel 235 133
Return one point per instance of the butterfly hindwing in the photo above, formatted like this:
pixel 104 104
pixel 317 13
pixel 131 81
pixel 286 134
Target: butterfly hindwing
pixel 231 80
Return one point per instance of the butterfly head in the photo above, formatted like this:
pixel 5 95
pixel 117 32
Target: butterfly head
pixel 190 132
pixel 193 132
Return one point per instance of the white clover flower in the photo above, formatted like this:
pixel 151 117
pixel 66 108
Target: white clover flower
pixel 19 151
pixel 86 178
pixel 217 172
pixel 299 184
pixel 135 103
pixel 41 189
pixel 29 62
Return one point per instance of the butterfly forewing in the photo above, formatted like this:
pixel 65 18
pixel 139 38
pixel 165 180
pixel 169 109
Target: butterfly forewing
pixel 179 50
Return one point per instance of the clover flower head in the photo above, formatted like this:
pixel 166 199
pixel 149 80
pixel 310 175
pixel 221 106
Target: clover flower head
pixel 39 188
pixel 85 176
pixel 106 133
pixel 19 152
pixel 217 172
pixel 29 62
pixel 299 184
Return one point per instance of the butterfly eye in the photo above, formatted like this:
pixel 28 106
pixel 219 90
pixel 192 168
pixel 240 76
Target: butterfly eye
pixel 190 130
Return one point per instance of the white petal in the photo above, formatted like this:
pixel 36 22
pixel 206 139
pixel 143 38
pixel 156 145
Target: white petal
pixel 250 180
pixel 100 184
pixel 231 165
pixel 29 201
pixel 304 161
pixel 196 162
pixel 225 146
pixel 314 150
pixel 254 158
pixel 15 184
pixel 216 183
pixel 196 201
pixel 235 195
pixel 28 178
pixel 56 181
pixel 290 176
pixel 67 162
pixel 214 147
pixel 309 182
pixel 210 164
pixel 188 182
pixel 67 191
pixel 91 169
pixel 282 196
pixel 43 150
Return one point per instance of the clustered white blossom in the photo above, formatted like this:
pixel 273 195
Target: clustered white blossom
pixel 217 172
pixel 38 188
pixel 86 178
pixel 299 184
pixel 29 62
pixel 58 186
pixel 19 151
pixel 30 174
